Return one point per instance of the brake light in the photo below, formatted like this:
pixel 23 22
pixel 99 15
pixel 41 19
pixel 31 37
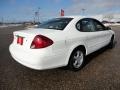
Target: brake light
pixel 41 41
pixel 20 40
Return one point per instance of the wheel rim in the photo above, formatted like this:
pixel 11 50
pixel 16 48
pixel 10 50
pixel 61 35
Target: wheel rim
pixel 78 59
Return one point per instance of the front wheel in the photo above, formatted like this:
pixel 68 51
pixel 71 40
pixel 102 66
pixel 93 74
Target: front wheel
pixel 112 43
pixel 76 61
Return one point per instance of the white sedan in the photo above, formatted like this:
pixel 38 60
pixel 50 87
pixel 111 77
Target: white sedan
pixel 58 42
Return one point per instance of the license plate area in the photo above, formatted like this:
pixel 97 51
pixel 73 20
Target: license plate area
pixel 20 40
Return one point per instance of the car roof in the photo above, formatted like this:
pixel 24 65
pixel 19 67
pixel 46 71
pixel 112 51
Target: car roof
pixel 75 17
pixel 78 17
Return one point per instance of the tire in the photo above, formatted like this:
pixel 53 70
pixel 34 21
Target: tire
pixel 76 60
pixel 112 43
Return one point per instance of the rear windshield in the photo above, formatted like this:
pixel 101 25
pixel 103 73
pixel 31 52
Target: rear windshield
pixel 57 23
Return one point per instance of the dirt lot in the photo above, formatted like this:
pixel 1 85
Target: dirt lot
pixel 102 70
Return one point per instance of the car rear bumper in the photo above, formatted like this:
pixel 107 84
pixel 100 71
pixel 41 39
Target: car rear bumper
pixel 36 59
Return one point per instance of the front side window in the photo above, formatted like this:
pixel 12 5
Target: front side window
pixel 98 25
pixel 57 23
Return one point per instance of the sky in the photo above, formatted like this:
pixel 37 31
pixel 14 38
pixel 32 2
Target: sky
pixel 24 10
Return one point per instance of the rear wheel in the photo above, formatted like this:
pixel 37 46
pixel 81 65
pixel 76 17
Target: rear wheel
pixel 76 61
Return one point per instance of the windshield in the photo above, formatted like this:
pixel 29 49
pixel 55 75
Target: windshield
pixel 57 23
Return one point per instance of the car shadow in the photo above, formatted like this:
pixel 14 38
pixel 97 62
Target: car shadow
pixel 95 54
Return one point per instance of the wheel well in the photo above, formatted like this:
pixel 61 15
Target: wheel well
pixel 112 37
pixel 81 47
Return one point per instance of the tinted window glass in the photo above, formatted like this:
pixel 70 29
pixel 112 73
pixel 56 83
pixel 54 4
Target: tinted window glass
pixel 57 23
pixel 87 25
pixel 98 26
pixel 78 25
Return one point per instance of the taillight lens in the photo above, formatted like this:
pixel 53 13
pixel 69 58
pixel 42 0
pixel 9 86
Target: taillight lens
pixel 41 41
pixel 20 40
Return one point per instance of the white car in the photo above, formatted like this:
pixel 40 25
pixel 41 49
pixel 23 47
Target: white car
pixel 63 41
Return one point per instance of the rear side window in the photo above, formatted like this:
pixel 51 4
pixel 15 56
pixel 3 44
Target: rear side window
pixel 85 25
pixel 57 23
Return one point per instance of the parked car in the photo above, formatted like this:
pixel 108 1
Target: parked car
pixel 63 41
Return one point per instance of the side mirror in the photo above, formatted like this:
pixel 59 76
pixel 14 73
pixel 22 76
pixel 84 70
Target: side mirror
pixel 107 28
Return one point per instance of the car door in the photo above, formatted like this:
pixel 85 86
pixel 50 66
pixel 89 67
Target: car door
pixel 105 35
pixel 87 27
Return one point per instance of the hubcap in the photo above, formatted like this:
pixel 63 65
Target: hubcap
pixel 78 59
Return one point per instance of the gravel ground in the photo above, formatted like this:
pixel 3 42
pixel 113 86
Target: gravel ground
pixel 102 70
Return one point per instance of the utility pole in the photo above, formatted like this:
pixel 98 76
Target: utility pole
pixel 2 20
pixel 83 11
pixel 37 16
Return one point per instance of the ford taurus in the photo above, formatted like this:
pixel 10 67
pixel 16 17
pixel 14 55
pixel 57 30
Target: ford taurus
pixel 63 41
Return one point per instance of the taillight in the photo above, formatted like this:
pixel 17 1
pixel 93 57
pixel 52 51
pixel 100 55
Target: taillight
pixel 41 41
pixel 20 40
